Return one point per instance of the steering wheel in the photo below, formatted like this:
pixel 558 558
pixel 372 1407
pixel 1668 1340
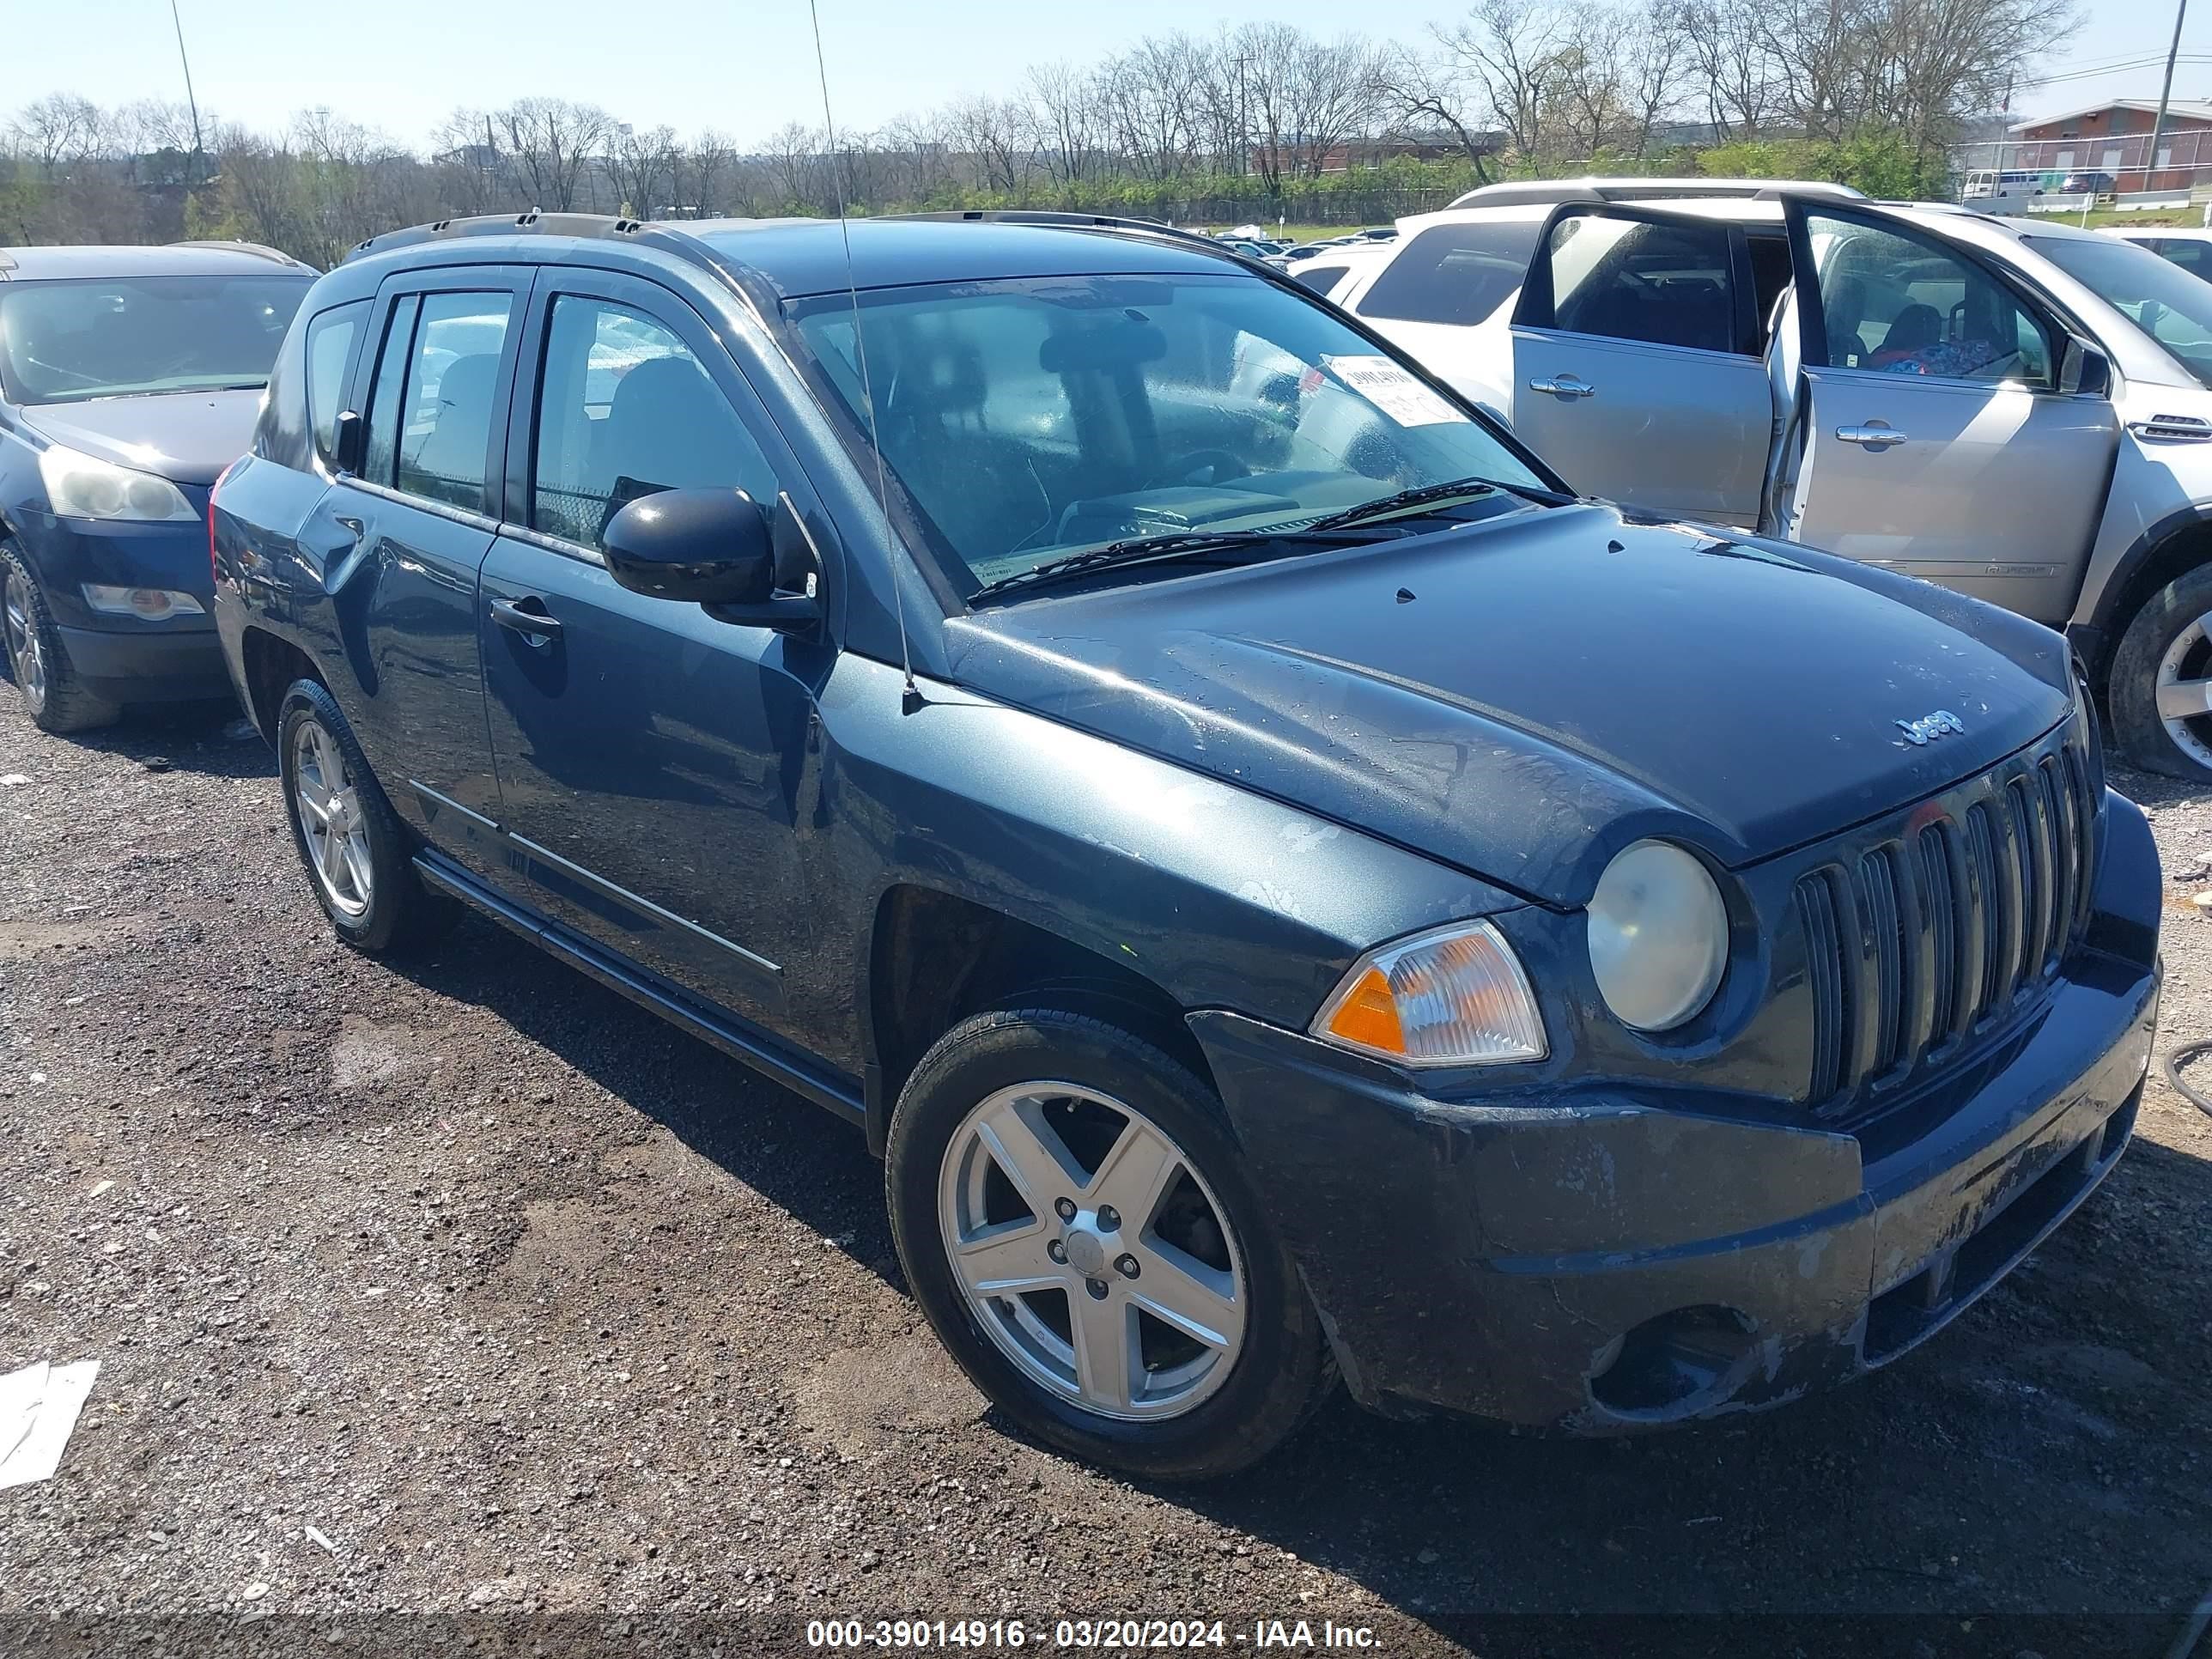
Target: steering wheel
pixel 1219 465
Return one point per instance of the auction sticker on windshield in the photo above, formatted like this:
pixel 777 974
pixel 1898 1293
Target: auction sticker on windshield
pixel 1390 388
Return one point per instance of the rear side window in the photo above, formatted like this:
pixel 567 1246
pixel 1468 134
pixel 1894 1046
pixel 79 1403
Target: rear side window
pixel 453 385
pixel 626 412
pixel 330 348
pixel 390 379
pixel 1631 279
pixel 1454 273
pixel 1318 277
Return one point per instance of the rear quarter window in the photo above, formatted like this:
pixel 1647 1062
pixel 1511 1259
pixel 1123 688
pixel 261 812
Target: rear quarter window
pixel 1454 273
pixel 280 436
pixel 331 337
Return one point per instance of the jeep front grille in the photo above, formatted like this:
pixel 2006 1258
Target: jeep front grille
pixel 1919 941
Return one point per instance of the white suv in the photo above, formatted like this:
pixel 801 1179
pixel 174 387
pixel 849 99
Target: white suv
pixel 2019 411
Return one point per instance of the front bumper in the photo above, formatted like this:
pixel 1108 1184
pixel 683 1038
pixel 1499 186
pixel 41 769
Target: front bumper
pixel 119 657
pixel 1607 1263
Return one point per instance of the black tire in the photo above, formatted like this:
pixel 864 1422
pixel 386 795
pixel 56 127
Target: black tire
pixel 2132 682
pixel 1284 1369
pixel 399 912
pixel 52 695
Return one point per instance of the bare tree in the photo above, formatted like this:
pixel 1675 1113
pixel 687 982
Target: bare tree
pixel 1065 117
pixel 57 130
pixel 546 143
pixel 1509 48
pixel 1431 91
pixel 1732 61
pixel 642 165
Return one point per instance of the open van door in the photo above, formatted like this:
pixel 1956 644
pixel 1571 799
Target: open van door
pixel 1942 423
pixel 1636 371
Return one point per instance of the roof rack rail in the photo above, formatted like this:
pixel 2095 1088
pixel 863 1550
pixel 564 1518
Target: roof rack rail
pixel 533 222
pixel 1085 221
pixel 1541 192
pixel 259 250
pixel 587 227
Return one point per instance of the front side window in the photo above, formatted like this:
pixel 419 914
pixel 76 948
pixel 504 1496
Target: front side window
pixel 2157 296
pixel 330 348
pixel 66 341
pixel 1459 273
pixel 1898 304
pixel 626 411
pixel 1029 418
pixel 1631 279
pixel 453 386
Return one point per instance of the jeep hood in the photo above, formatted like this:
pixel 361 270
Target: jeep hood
pixel 1523 696
pixel 188 436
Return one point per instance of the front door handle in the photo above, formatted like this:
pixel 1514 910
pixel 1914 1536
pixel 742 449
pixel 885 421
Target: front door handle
pixel 1872 435
pixel 1569 387
pixel 535 626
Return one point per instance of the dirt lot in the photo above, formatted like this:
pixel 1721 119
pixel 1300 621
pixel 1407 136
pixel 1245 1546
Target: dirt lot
pixel 531 1307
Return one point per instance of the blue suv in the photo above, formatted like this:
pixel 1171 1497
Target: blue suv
pixel 129 377
pixel 1289 892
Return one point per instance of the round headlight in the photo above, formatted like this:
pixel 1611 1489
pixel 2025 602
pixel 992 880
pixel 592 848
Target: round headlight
pixel 1658 936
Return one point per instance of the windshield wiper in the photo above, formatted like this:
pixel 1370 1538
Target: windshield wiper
pixel 1419 496
pixel 1171 544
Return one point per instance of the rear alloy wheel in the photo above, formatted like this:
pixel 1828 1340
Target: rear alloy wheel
pixel 358 856
pixel 38 661
pixel 2161 681
pixel 332 819
pixel 1076 1220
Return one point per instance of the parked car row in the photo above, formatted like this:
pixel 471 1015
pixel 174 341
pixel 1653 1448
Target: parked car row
pixel 1184 778
pixel 2017 409
pixel 128 379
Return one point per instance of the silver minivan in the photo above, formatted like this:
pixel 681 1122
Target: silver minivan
pixel 2017 409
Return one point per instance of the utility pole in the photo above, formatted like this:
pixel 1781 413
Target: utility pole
pixel 193 103
pixel 2165 92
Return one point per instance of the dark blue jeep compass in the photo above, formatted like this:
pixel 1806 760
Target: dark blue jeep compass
pixel 129 378
pixel 1289 891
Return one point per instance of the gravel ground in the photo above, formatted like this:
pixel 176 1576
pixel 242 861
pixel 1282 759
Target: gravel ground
pixel 469 1290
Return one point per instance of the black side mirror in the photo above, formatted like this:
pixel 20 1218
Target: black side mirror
pixel 2086 371
pixel 350 446
pixel 700 546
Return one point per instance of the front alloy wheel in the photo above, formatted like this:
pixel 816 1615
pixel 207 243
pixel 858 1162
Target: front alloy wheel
pixel 2184 691
pixel 25 659
pixel 1082 1231
pixel 2159 686
pixel 53 697
pixel 1091 1252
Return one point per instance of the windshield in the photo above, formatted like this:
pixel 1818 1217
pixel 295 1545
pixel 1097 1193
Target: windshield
pixel 2168 304
pixel 62 342
pixel 1030 419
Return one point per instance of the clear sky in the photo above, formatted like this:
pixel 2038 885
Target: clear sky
pixel 745 66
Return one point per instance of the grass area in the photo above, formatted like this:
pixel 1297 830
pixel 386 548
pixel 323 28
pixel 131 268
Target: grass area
pixel 2142 220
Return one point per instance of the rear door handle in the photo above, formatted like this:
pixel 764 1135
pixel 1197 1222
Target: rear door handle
pixel 1569 387
pixel 1874 436
pixel 534 626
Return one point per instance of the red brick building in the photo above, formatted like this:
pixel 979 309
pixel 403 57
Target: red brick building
pixel 2114 139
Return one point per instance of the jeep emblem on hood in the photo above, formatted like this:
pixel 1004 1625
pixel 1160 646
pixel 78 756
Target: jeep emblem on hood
pixel 1929 727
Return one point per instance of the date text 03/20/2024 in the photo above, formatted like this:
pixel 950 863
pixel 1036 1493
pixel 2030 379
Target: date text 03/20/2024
pixel 1111 1634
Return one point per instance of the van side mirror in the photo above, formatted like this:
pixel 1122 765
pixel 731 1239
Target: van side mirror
pixel 2086 371
pixel 700 546
pixel 349 446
